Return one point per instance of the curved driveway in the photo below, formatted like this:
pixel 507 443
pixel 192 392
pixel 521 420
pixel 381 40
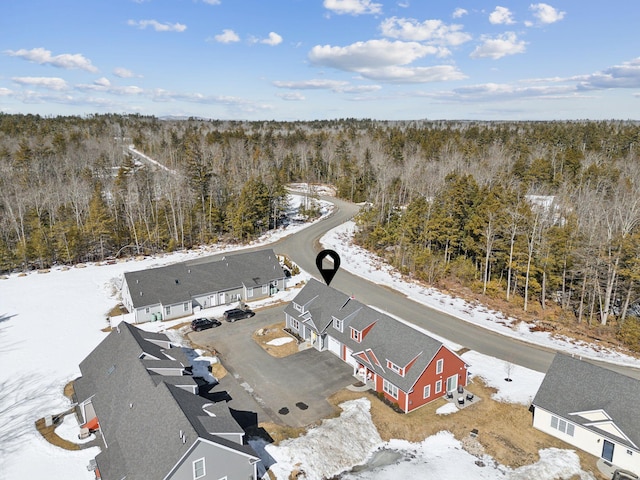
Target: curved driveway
pixel 303 247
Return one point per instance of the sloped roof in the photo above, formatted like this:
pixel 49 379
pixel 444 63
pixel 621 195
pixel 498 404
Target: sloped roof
pixel 142 417
pixel 389 338
pixel 180 282
pixel 573 386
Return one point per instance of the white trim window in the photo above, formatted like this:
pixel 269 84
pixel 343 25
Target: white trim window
pixel 186 306
pixel 438 386
pixel 295 324
pixel 199 470
pixel 427 391
pixel 439 366
pixel 146 310
pixel 297 307
pixel 167 310
pixel 249 292
pixel 356 335
pixel 395 368
pixel 265 289
pixel 337 324
pixel 390 388
pixel 562 425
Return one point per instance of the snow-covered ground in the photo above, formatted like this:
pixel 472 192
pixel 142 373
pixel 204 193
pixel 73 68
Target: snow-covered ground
pixel 365 264
pixel 50 321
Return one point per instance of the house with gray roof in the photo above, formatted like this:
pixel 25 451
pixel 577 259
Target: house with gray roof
pixel 153 425
pixel 592 408
pixel 404 364
pixel 177 290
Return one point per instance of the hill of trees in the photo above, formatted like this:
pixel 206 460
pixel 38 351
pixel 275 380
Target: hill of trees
pixel 538 213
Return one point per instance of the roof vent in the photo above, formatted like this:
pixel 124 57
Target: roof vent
pixel 140 293
pixel 131 405
pixel 177 282
pixel 189 271
pixel 137 280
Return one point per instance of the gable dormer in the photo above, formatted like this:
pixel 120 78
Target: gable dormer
pixel 359 335
pixel 395 368
pixel 338 324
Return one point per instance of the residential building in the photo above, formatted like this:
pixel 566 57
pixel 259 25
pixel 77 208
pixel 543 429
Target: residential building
pixel 404 364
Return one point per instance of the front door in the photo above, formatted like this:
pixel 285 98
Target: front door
pixel 221 301
pixel 607 450
pixel 452 383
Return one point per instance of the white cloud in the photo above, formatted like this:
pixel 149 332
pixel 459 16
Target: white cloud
pixel 211 2
pixel 369 55
pixel 500 46
pixel 103 82
pixel 124 73
pixel 157 26
pixel 546 14
pixel 273 39
pixel 459 12
pixel 291 96
pixel 104 85
pixel 51 83
pixel 397 74
pixel 338 86
pixel 42 56
pixel 501 16
pixel 434 31
pixel 352 7
pixel 626 75
pixel 5 92
pixel 227 36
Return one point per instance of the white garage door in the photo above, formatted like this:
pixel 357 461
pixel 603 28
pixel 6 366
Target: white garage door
pixel 334 346
pixel 349 359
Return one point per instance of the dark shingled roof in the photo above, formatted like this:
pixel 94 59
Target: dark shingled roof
pixel 181 281
pixel 389 338
pixel 572 386
pixel 141 416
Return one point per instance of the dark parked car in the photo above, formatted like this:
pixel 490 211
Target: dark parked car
pixel 204 323
pixel 236 314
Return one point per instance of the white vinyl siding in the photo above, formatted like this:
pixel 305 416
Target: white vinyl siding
pixel 390 388
pixel 198 469
pixel 265 289
pixel 439 366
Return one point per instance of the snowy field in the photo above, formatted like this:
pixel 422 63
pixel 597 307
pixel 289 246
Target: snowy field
pixel 367 265
pixel 50 321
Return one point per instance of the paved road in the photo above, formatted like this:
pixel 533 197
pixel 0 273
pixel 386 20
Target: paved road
pixel 290 390
pixel 303 247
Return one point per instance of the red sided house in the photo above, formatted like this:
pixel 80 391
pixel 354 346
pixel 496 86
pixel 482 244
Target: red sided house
pixel 409 367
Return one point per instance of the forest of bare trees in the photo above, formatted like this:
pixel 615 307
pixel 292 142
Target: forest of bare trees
pixel 539 212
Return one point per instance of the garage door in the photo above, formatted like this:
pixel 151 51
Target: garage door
pixel 349 359
pixel 334 346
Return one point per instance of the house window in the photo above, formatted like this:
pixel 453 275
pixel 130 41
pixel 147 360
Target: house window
pixel 439 366
pixel 355 335
pixel 390 388
pixel 146 310
pixel 337 324
pixel 629 452
pixel 295 324
pixel 198 469
pixel 438 386
pixel 297 307
pixel 395 368
pixel 562 425
pixel 427 391
pixel 265 289
pixel 167 310
pixel 250 292
pixel 186 306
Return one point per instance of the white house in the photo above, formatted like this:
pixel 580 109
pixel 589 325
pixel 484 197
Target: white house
pixel 591 408
pixel 178 290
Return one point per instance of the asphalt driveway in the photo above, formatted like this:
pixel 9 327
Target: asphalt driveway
pixel 291 390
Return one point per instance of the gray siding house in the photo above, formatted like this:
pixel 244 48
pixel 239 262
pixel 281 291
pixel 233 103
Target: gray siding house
pixel 152 424
pixel 592 408
pixel 174 291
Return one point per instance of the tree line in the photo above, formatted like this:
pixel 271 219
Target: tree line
pixel 537 212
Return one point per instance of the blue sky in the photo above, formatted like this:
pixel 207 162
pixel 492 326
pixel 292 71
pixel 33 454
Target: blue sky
pixel 320 59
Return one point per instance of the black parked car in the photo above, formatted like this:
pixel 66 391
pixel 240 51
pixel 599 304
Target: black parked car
pixel 236 314
pixel 204 323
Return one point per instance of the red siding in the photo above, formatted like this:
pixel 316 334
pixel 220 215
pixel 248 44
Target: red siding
pixel 367 330
pixel 452 365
